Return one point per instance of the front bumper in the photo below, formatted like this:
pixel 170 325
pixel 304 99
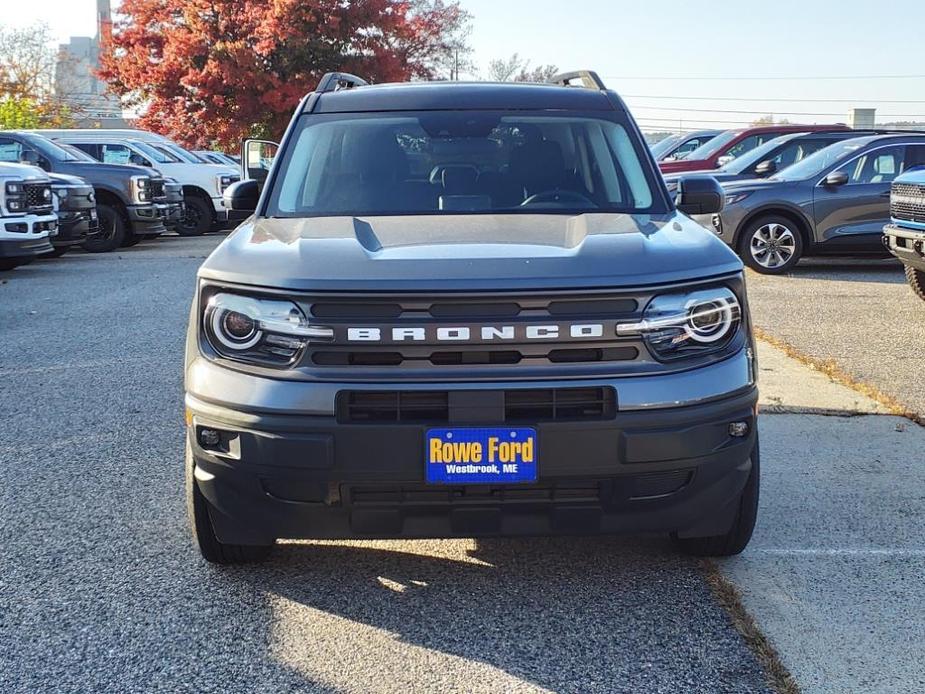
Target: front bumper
pixel 147 220
pixel 295 475
pixel 75 226
pixel 906 244
pixel 28 236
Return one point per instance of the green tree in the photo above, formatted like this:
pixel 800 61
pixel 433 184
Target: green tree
pixel 27 80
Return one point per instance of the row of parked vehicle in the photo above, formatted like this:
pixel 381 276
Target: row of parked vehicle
pixel 798 190
pixel 103 189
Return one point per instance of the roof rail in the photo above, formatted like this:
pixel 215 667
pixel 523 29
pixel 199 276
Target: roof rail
pixel 335 81
pixel 589 79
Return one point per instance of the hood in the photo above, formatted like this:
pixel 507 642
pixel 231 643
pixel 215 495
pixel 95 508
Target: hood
pixel 88 168
pixel 469 252
pixel 686 165
pixel 22 171
pixel 66 180
pixel 751 184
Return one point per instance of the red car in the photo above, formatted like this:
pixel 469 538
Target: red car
pixel 733 143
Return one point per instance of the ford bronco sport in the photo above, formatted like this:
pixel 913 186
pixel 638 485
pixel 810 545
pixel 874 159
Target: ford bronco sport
pixel 468 310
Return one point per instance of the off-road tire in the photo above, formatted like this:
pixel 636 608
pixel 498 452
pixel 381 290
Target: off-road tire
pixel 112 231
pixel 210 547
pixel 916 280
pixel 736 539
pixel 197 218
pixel 745 242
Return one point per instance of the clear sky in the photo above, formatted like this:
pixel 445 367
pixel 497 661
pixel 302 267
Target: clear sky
pixel 650 50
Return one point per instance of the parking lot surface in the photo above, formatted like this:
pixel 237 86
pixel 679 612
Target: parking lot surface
pixel 859 313
pixel 101 590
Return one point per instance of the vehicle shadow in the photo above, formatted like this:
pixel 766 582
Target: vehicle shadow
pixel 565 614
pixel 881 270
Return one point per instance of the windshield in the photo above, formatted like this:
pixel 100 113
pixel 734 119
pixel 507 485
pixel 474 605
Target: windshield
pixel 177 151
pixel 154 153
pixel 819 161
pixel 663 147
pixel 714 146
pixel 54 150
pixel 460 162
pixel 755 156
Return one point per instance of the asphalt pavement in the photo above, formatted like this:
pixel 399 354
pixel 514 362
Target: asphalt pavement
pixel 101 590
pixel 859 313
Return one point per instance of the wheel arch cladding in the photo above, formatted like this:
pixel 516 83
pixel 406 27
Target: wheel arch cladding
pixel 797 218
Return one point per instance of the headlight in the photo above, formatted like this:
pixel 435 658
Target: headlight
pixel 15 199
pixel 733 198
pixel 141 189
pixel 225 180
pixel 679 325
pixel 259 331
pixel 61 194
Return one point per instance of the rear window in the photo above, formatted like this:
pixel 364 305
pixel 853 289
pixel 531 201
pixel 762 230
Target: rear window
pixel 460 162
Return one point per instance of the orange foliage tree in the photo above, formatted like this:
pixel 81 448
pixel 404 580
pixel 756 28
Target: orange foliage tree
pixel 209 72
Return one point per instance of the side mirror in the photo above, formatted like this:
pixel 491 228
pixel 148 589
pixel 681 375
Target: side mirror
pixel 256 159
pixel 242 196
pixel 766 168
pixel 699 195
pixel 835 179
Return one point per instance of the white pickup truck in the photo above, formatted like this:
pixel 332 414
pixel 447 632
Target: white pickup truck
pixel 203 184
pixel 27 216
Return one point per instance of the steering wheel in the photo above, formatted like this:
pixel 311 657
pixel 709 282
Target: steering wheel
pixel 548 196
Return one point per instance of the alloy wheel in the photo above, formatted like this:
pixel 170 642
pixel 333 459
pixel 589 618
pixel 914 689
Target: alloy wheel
pixel 772 245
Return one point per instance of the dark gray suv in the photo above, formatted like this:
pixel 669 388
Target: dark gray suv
pixel 464 310
pixel 834 201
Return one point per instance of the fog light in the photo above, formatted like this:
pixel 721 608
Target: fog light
pixel 738 429
pixel 209 438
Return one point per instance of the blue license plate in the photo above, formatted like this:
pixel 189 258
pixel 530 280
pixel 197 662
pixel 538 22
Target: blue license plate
pixel 493 455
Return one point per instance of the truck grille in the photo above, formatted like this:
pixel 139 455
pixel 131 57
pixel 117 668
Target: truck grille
pixel 157 188
pixel 37 198
pixel 907 202
pixel 510 406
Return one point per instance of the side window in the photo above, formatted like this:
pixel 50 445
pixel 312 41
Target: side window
pixel 746 145
pixel 789 154
pixel 878 166
pixel 115 154
pixel 688 147
pixel 915 156
pixel 92 149
pixel 10 150
pixel 808 147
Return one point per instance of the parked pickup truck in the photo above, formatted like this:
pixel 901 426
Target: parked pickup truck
pixel 465 310
pixel 905 234
pixel 130 199
pixel 75 205
pixel 27 215
pixel 203 183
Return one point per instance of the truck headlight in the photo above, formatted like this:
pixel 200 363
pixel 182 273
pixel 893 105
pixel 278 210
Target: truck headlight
pixel 141 189
pixel 679 325
pixel 259 331
pixel 225 180
pixel 14 197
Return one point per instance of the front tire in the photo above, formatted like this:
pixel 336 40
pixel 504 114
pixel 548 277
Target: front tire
pixel 197 217
pixel 12 263
pixel 738 536
pixel 916 280
pixel 212 550
pixel 771 245
pixel 112 231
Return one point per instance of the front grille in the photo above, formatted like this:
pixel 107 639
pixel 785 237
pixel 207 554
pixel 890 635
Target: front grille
pixel 38 198
pixel 156 186
pixel 528 405
pixel 483 335
pixel 907 202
